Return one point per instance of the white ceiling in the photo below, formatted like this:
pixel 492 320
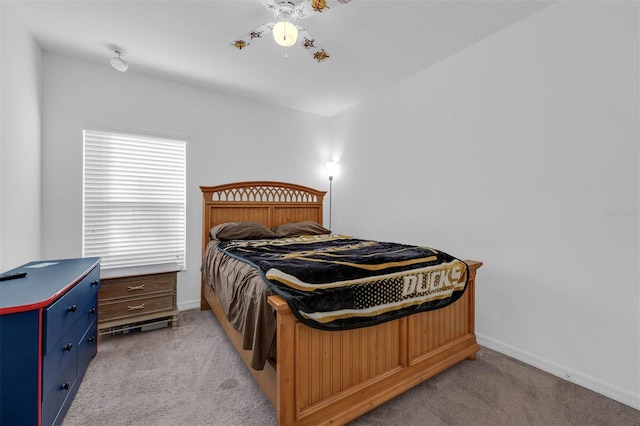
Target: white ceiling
pixel 373 44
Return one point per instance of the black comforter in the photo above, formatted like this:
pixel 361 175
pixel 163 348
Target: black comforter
pixel 334 282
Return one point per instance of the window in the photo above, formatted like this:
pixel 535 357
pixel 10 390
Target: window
pixel 134 199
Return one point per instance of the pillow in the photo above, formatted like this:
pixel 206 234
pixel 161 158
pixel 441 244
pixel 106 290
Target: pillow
pixel 294 229
pixel 240 231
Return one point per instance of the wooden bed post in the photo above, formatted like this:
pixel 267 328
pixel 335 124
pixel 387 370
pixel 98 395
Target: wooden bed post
pixel 285 335
pixel 471 288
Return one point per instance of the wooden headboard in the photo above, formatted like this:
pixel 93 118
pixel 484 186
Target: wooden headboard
pixel 269 203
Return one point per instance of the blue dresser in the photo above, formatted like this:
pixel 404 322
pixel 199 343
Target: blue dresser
pixel 48 336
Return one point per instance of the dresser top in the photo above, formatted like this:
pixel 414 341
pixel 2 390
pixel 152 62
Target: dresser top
pixel 46 280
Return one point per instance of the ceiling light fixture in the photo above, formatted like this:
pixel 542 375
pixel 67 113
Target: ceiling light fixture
pixel 119 63
pixel 284 32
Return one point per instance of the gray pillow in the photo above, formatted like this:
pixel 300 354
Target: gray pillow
pixel 295 229
pixel 240 231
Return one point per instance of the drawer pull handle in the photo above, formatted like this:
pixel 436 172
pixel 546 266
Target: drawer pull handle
pixel 68 347
pixel 92 339
pixel 135 287
pixel 92 310
pixel 72 308
pixel 95 282
pixel 65 386
pixel 133 308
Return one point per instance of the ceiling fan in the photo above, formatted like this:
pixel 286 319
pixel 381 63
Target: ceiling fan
pixel 284 31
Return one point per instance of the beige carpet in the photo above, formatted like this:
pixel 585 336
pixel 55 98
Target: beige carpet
pixel 192 376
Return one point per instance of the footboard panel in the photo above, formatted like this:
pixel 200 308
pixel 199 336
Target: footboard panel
pixel 329 365
pixel 432 330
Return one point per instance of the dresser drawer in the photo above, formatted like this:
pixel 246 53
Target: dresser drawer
pixel 53 401
pixel 78 304
pixel 63 352
pixel 87 347
pixel 136 306
pixel 137 286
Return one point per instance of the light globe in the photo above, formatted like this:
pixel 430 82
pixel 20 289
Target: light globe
pixel 285 33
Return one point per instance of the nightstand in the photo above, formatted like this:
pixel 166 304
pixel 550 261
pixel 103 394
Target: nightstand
pixel 137 297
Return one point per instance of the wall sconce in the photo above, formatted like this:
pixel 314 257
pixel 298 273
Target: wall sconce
pixel 332 170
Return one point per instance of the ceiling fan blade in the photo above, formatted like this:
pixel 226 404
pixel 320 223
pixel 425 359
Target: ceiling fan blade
pixel 309 43
pixel 269 4
pixel 310 7
pixel 246 39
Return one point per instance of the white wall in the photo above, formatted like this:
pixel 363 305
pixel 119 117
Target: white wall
pixel 20 105
pixel 229 139
pixel 522 152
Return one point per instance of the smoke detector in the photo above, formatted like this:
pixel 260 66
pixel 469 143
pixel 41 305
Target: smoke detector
pixel 117 62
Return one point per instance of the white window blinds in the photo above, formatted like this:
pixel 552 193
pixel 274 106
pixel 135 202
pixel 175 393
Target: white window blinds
pixel 134 199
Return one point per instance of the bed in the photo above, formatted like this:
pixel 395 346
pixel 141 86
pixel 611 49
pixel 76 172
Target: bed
pixel 319 376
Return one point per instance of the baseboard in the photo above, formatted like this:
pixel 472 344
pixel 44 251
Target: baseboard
pixel 573 376
pixel 189 304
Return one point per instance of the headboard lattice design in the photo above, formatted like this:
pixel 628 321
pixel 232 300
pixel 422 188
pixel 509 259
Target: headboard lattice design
pixel 271 194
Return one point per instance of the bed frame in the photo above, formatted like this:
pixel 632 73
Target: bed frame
pixel 332 377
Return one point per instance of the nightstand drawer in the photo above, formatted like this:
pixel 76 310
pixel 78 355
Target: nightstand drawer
pixel 132 307
pixel 137 286
pixel 138 295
